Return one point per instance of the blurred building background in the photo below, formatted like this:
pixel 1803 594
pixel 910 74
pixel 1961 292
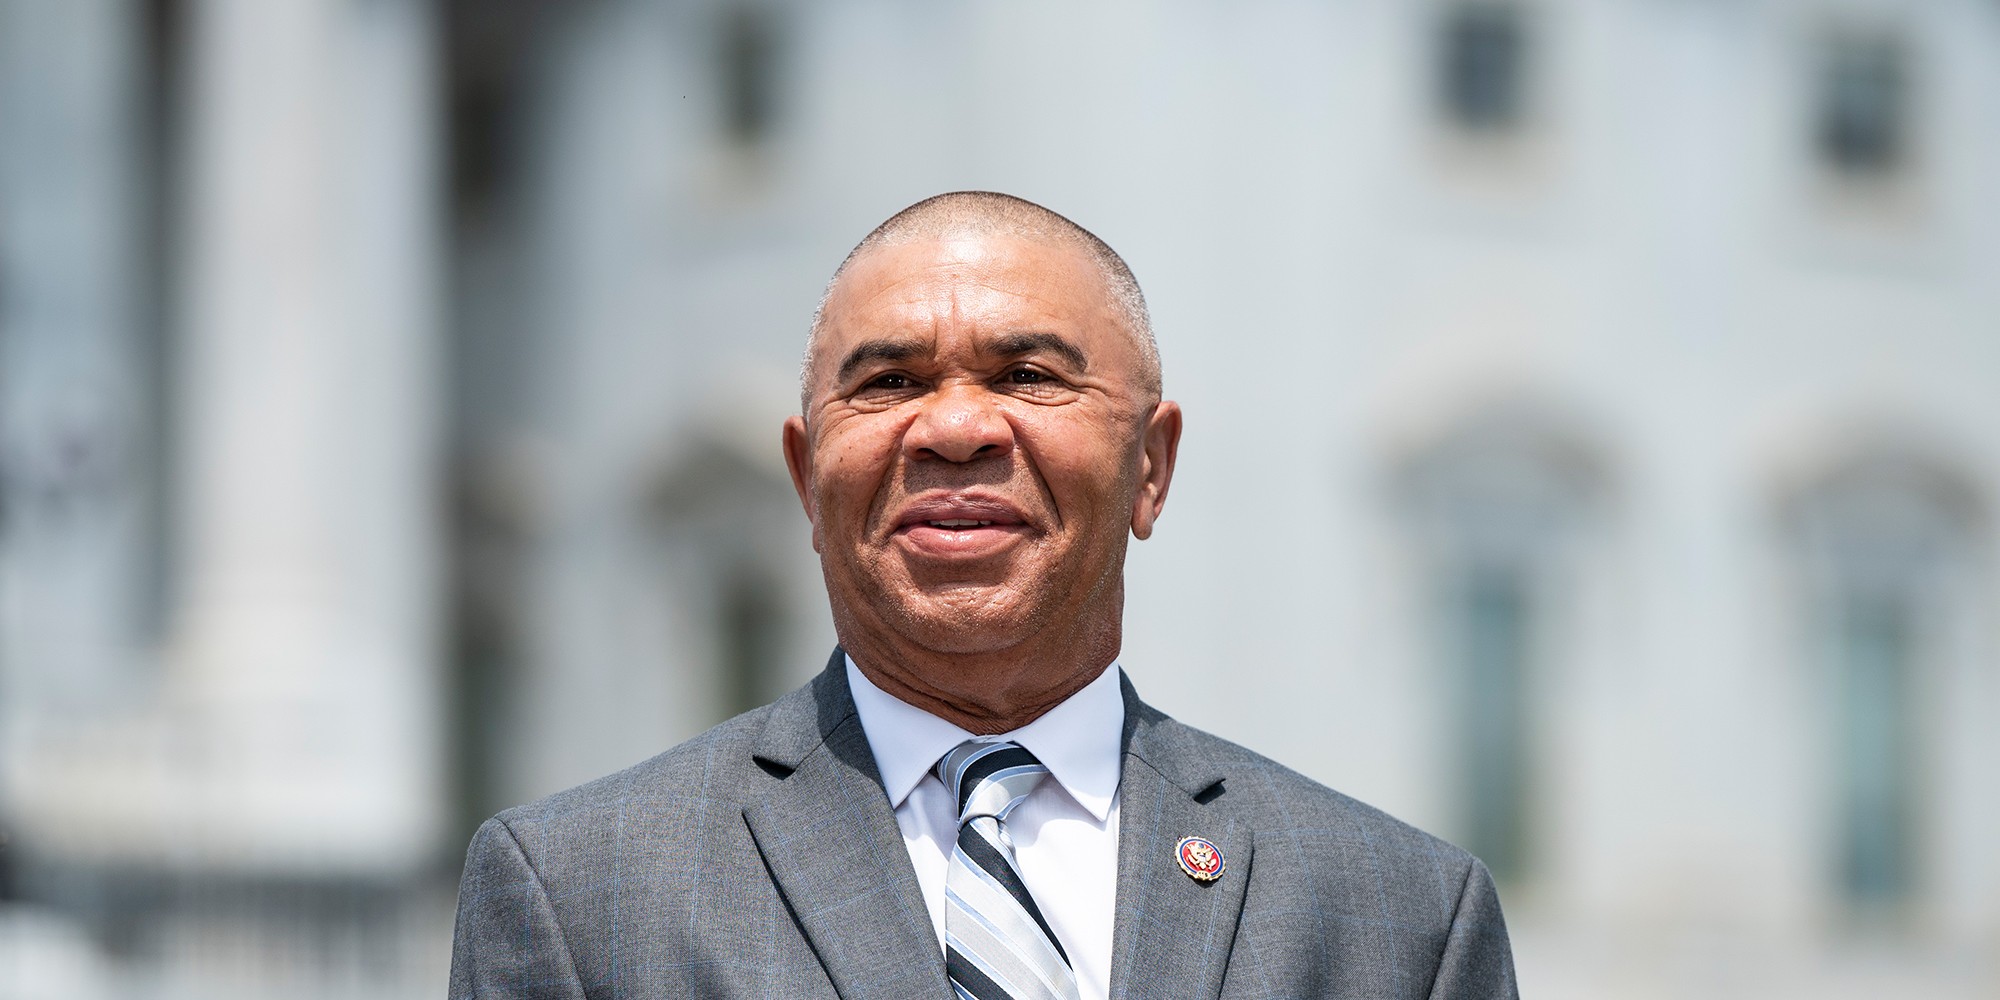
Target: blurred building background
pixel 1592 455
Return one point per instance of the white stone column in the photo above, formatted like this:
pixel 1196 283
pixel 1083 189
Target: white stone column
pixel 306 653
pixel 299 727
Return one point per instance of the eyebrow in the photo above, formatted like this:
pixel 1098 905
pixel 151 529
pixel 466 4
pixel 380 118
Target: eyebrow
pixel 877 350
pixel 1007 346
pixel 1016 344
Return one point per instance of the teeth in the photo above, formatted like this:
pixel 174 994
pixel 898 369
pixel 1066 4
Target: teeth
pixel 959 522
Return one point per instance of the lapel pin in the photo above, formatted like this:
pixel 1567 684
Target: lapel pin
pixel 1200 858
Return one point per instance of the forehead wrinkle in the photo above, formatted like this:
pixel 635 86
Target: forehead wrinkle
pixel 983 269
pixel 986 270
pixel 903 315
pixel 924 300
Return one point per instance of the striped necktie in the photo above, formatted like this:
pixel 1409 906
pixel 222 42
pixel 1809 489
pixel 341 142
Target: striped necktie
pixel 997 944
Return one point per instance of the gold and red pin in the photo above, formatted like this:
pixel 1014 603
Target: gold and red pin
pixel 1200 858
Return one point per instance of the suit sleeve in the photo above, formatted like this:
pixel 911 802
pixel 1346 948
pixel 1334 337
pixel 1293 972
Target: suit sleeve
pixel 1478 962
pixel 507 944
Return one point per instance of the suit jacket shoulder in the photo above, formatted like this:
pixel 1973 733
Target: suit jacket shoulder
pixel 1342 898
pixel 713 771
pixel 645 876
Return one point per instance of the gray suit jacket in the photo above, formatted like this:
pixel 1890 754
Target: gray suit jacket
pixel 761 859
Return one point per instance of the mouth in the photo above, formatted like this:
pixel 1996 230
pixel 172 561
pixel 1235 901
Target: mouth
pixel 959 526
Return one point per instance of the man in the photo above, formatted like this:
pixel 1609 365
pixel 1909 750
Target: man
pixel 971 800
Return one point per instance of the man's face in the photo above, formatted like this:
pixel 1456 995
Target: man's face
pixel 978 439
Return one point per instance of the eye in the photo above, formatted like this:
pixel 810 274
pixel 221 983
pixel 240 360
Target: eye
pixel 890 380
pixel 1028 376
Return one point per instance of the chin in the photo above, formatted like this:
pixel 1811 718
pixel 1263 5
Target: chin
pixel 968 620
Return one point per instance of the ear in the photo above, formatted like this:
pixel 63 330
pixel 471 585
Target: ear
pixel 1160 443
pixel 798 461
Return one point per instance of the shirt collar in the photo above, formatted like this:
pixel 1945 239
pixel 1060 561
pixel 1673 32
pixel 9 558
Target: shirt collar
pixel 1078 739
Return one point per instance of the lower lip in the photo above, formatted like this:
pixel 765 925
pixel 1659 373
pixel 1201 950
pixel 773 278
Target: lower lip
pixel 960 543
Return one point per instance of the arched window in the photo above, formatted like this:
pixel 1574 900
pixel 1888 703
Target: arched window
pixel 1883 542
pixel 729 529
pixel 1497 505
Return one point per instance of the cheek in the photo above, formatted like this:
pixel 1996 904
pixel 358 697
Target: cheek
pixel 1089 472
pixel 849 465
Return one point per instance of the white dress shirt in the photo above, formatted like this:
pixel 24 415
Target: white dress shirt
pixel 1065 832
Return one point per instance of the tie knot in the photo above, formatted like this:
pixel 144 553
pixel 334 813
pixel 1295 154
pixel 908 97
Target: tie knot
pixel 989 777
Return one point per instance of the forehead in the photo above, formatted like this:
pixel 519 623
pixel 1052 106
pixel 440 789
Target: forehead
pixel 970 284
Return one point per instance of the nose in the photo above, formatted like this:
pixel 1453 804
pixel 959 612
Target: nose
pixel 959 424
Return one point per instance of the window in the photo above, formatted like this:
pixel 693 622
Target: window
pixel 751 626
pixel 1862 122
pixel 1880 541
pixel 1874 744
pixel 1497 506
pixel 1492 610
pixel 1482 83
pixel 730 571
pixel 747 63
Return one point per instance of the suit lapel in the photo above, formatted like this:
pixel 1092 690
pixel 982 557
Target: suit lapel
pixel 1173 934
pixel 831 843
